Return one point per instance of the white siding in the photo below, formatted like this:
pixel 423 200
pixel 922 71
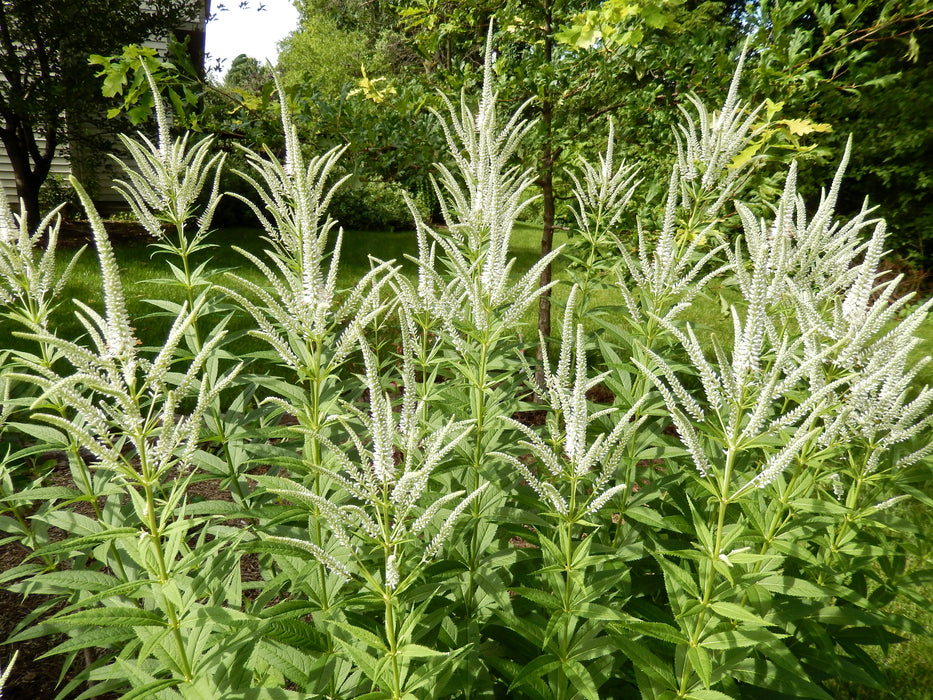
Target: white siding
pixel 60 166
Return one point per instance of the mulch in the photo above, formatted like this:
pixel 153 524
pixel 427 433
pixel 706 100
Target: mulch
pixel 74 234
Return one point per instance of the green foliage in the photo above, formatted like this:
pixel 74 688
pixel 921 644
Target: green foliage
pixel 391 145
pixel 136 75
pixel 323 56
pixel 617 23
pixel 894 140
pixel 387 514
pixel 373 204
pixel 56 191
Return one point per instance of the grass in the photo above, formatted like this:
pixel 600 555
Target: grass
pixel 142 268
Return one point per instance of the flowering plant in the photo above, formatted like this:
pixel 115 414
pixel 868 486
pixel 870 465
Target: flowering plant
pixel 679 515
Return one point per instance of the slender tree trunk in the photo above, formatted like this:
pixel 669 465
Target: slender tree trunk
pixel 30 167
pixel 547 191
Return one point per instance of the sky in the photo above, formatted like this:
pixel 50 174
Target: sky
pixel 239 26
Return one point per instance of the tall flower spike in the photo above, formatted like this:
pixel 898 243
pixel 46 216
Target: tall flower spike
pixel 664 281
pixel 27 281
pixel 585 462
pixel 484 194
pixel 706 153
pixel 299 299
pixel 387 453
pixel 603 193
pixel 481 196
pixel 168 177
pixel 297 197
pixel 5 674
pixel 118 332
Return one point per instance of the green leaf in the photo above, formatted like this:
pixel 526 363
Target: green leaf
pixel 731 611
pixel 802 127
pixel 418 651
pixel 739 639
pixel 295 665
pixel 288 608
pixel 360 634
pixel 746 155
pixel 788 585
pixel 792 549
pixel 650 517
pixel 701 663
pixel 581 680
pixel 702 694
pixel 150 689
pixel 772 108
pixel 632 37
pixel 72 580
pixel 44 493
pixel 658 630
pixel 581 36
pixel 366 662
pixel 764 674
pixel 644 659
pixel 114 75
pixel 546 600
pixel 594 611
pixel 654 16
pixel 913 49
pixel 540 666
pixel 81 543
pixel 120 590
pixel 43 433
pixel 113 617
pixel 296 633
pixel 265 694
pixel 104 638
pixel 678 578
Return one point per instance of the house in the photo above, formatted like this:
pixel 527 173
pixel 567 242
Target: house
pixel 68 160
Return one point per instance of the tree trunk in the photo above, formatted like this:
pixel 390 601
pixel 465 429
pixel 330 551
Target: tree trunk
pixel 27 189
pixel 547 192
pixel 31 167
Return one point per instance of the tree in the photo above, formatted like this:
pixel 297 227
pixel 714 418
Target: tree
pixel 246 73
pixel 47 87
pixel 323 55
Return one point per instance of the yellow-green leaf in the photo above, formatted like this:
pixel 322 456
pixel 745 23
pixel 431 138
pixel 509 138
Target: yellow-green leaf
pixel 746 155
pixel 913 49
pixel 772 108
pixel 802 127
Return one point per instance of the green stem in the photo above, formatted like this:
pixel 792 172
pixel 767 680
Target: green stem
pixel 313 446
pixel 184 252
pixel 724 500
pixel 852 503
pixel 392 639
pixel 567 527
pixel 639 387
pixel 478 399
pixel 156 537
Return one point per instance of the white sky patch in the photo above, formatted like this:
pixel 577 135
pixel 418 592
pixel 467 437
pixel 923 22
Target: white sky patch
pixel 239 26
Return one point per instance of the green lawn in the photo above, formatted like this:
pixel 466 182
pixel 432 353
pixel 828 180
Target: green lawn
pixel 142 267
